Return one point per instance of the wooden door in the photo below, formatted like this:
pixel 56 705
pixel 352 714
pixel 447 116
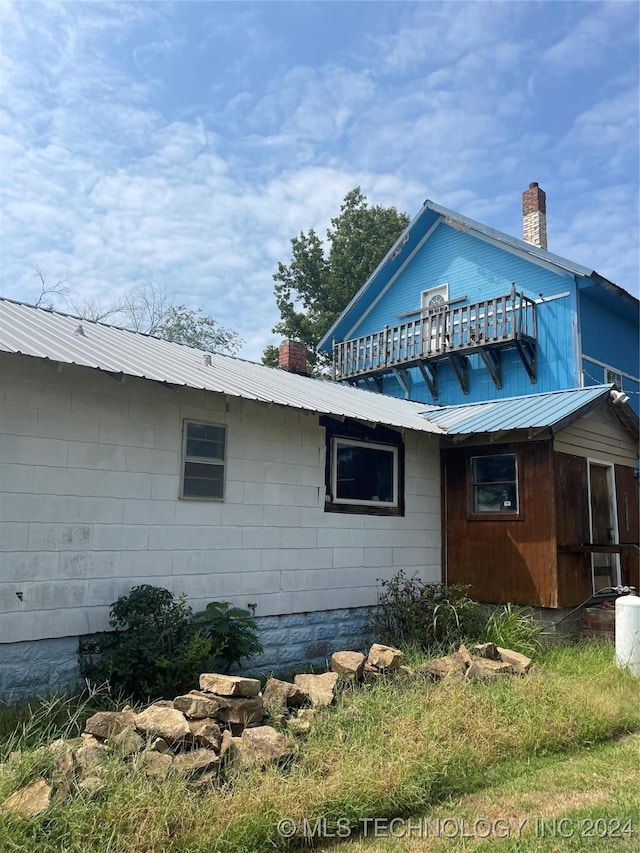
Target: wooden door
pixel 603 525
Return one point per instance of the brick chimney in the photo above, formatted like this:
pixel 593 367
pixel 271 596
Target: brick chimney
pixel 292 356
pixel 534 216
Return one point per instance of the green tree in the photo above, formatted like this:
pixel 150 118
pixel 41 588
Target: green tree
pixel 313 289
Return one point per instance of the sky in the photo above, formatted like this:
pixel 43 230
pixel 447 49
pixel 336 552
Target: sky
pixel 185 143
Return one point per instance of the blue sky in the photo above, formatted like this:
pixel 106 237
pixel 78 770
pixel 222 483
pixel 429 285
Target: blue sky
pixel 186 143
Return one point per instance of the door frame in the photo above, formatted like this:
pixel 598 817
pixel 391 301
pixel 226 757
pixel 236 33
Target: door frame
pixel 611 485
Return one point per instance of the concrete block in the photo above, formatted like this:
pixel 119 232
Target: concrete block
pixel 18 420
pixel 239 515
pixel 116 537
pixel 16 477
pixel 299 537
pixel 234 493
pixel 282 516
pixel 59 537
pixel 316 558
pixel 347 557
pixel 198 512
pixel 85 482
pixel 164 487
pixel 29 450
pixel 245 470
pixel 279 560
pixel 303 455
pixel 35 395
pixel 167 438
pixel 408 557
pixel 88 564
pixel 151 461
pixel 262 537
pixel 14 535
pixel 149 512
pixel 71 427
pixel 376 557
pixel 126 433
pixel 333 538
pixel 155 413
pixel 105 457
pixel 100 404
pixel 22 566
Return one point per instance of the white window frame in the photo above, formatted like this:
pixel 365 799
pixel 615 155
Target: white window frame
pixel 425 296
pixel 206 460
pixel 386 448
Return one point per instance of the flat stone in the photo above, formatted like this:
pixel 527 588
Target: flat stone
pixel 196 705
pixel 206 733
pixel 449 666
pixel 264 744
pixel 239 710
pixel 348 665
pixel 465 657
pixel 164 722
pixel 229 685
pixel 90 755
pixel 283 694
pixel 106 723
pixel 481 669
pixel 30 801
pixel 519 663
pixel 195 761
pixel 320 688
pixel 385 657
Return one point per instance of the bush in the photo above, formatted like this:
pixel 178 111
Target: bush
pixel 232 630
pixel 159 648
pixel 429 616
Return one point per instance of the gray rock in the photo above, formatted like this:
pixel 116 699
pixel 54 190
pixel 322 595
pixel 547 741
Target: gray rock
pixel 264 744
pixel 519 663
pixel 206 733
pixel 241 710
pixel 195 761
pixel 106 723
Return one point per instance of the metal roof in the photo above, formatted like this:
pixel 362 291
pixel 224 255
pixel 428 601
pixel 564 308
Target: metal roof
pixel 64 339
pixel 550 411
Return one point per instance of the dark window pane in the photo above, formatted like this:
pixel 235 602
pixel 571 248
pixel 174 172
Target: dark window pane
pixel 205 441
pixel 202 480
pixel 498 498
pixel 492 469
pixel 364 473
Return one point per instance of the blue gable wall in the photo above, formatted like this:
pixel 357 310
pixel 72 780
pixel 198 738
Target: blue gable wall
pixel 479 270
pixel 610 338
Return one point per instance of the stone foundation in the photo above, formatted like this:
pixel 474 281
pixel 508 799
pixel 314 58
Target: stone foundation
pixel 36 668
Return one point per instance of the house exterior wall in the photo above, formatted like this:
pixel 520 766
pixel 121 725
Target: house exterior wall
pixel 89 506
pixel 508 558
pixel 598 435
pixel 610 337
pixel 478 270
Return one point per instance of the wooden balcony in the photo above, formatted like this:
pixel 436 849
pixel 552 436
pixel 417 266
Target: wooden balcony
pixel 447 333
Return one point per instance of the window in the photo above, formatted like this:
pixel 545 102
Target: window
pixel 203 454
pixel 613 377
pixel 364 469
pixel 364 473
pixel 494 482
pixel 434 298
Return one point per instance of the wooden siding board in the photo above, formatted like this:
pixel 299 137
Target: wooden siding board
pixel 504 559
pixel 628 524
pixel 572 502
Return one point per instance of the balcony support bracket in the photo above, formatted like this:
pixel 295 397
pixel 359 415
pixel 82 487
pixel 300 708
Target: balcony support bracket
pixel 430 375
pixel 403 379
pixel 527 352
pixel 460 364
pixel 493 363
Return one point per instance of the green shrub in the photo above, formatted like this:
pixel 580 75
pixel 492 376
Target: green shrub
pixel 232 631
pixel 423 615
pixel 159 648
pixel 513 627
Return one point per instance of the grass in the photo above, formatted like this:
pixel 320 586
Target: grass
pixel 389 750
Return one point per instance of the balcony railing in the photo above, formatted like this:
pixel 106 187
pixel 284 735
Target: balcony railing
pixel 495 324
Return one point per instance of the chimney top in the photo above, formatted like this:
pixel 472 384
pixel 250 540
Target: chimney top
pixel 292 356
pixel 534 216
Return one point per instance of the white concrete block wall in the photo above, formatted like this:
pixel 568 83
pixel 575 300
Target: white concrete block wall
pixel 90 477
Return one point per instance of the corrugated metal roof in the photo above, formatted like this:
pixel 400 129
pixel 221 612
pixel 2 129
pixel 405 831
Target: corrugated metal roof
pixel 61 338
pixel 552 410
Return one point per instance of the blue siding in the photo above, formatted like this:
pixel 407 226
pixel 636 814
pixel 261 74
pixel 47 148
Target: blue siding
pixel 478 270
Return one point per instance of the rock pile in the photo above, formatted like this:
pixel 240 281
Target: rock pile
pixel 198 732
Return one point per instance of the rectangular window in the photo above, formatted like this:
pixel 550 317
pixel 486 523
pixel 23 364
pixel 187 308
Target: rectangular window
pixel 364 473
pixel 203 455
pixel 494 482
